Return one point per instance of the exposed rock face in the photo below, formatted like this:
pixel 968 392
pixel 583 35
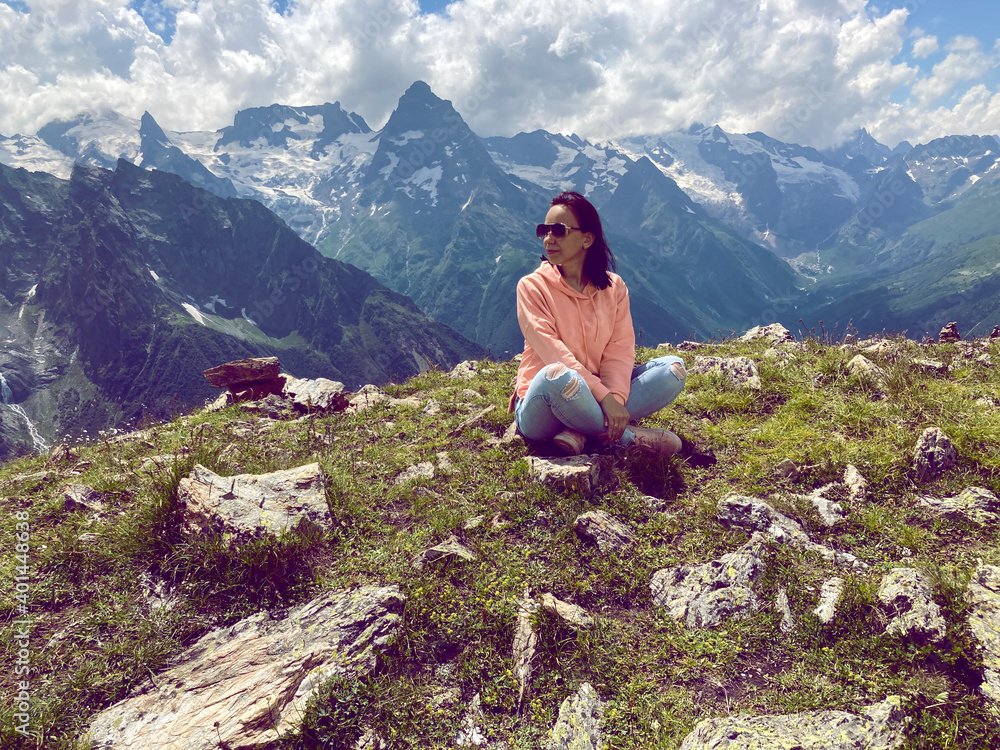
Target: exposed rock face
pixel 471 733
pixel 606 531
pixel 423 470
pixel 751 514
pixel 933 454
pixel 580 474
pixel 878 727
pixel 983 595
pixel 579 724
pixel 932 366
pixel 973 503
pixel 785 610
pixel 906 596
pixel 740 371
pixel 253 504
pixel 244 686
pixel 706 595
pixel 449 548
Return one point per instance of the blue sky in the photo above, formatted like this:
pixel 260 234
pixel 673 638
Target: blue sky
pixel 807 71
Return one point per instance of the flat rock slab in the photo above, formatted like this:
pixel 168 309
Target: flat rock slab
pixel 243 372
pixel 243 686
pixel 878 727
pixel 706 595
pixel 983 595
pixel 253 504
pixel 581 474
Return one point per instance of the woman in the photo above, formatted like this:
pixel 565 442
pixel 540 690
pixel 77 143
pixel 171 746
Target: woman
pixel 576 377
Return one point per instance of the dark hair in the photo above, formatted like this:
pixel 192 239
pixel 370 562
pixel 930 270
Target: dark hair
pixel 599 258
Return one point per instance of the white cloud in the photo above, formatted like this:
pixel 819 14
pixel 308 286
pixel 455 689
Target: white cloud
pixel 925 46
pixel 809 71
pixel 965 62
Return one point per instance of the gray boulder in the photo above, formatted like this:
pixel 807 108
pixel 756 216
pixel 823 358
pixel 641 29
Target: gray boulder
pixel 751 515
pixel 775 333
pixel 450 548
pixel 319 394
pixel 829 597
pixel 706 595
pixel 253 504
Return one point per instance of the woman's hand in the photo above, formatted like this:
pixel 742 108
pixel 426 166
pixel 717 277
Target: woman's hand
pixel 615 418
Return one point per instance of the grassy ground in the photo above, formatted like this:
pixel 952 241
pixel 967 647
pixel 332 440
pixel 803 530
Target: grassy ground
pixel 98 632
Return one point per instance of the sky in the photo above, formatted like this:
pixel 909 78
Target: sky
pixel 803 71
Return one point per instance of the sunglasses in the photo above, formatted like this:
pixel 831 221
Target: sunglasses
pixel 558 230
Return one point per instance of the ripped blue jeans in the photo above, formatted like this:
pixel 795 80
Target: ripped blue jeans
pixel 558 398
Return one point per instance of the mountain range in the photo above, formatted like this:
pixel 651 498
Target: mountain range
pixel 120 287
pixel 713 231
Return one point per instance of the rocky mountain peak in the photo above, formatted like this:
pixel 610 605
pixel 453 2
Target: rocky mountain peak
pixel 426 152
pixel 276 125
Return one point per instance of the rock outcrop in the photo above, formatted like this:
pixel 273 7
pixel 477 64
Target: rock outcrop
pixel 251 504
pixel 706 595
pixel 244 686
pixel 878 727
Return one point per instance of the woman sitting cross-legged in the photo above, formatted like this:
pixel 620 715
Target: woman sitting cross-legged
pixel 577 377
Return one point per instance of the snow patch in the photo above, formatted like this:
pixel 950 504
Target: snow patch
pixel 153 274
pixel 194 313
pixel 403 138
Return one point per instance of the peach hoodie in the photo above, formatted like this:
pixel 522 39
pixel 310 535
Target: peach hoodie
pixel 590 331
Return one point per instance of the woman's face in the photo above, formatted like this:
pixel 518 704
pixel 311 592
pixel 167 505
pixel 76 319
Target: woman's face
pixel 571 249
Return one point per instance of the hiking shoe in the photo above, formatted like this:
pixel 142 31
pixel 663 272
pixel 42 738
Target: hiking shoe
pixel 570 441
pixel 657 441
